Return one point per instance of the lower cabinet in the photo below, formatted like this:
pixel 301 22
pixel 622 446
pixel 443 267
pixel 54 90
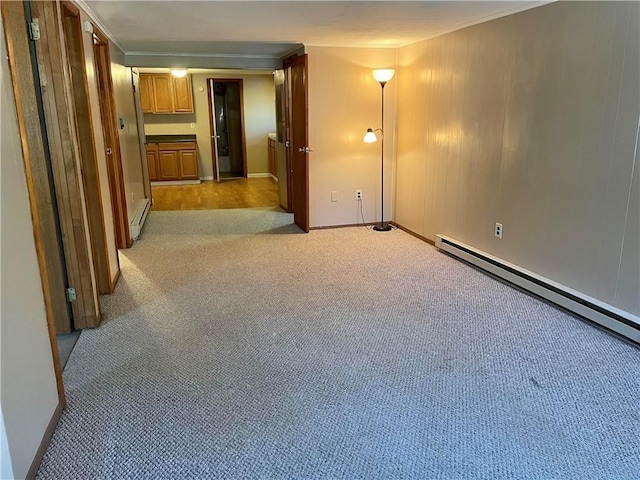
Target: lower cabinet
pixel 172 161
pixel 273 158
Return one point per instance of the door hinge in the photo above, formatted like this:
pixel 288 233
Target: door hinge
pixel 71 294
pixel 34 31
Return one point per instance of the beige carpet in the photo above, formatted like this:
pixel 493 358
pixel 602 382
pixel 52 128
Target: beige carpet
pixel 237 347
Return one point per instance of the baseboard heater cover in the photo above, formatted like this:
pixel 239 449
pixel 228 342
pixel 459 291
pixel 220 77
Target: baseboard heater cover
pixel 138 220
pixel 606 315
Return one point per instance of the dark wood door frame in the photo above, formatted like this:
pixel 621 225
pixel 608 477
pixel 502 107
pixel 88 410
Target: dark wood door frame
pixel 214 150
pixel 38 176
pixel 112 141
pixel 298 131
pixel 86 139
pixel 62 141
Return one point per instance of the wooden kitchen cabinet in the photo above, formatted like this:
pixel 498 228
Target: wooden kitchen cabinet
pixel 163 93
pixel 172 161
pixel 169 168
pixel 152 162
pixel 188 165
pixel 182 95
pixel 146 93
pixel 273 158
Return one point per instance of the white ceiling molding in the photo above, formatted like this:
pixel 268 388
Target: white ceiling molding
pixel 95 19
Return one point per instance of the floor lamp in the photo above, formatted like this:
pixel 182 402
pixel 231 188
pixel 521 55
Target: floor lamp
pixel 382 76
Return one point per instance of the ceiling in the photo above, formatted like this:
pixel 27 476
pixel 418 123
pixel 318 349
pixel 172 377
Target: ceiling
pixel 274 28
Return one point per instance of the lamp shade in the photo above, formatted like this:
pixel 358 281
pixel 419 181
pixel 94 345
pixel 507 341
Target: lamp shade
pixel 179 72
pixel 370 136
pixel 383 75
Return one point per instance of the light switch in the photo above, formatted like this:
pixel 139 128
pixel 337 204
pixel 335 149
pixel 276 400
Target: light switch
pixel 334 196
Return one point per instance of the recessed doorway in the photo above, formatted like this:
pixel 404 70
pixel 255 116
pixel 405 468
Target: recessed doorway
pixel 227 128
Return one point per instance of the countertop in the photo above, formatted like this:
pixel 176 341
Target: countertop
pixel 169 138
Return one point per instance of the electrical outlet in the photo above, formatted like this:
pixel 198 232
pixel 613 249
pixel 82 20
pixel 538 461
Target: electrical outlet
pixel 498 230
pixel 193 125
pixel 358 194
pixel 334 196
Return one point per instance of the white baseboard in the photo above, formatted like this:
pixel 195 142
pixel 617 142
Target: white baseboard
pixel 274 178
pixel 139 219
pixel 619 321
pixel 258 175
pixel 175 182
pixel 207 178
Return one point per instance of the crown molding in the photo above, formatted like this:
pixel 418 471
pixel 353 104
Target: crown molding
pixel 96 20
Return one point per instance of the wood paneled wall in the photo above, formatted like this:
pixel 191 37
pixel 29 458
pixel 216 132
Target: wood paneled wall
pixel 530 120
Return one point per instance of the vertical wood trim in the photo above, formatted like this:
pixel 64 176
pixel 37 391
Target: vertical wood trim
pixel 214 150
pixel 66 164
pixel 108 110
pixel 38 187
pixel 84 126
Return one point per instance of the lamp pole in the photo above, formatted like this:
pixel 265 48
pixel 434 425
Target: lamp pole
pixel 382 227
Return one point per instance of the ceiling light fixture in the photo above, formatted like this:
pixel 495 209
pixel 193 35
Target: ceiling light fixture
pixel 179 72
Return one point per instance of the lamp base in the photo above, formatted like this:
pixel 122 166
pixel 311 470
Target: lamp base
pixel 382 227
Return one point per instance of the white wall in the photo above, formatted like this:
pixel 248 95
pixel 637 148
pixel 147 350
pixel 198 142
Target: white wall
pixel 530 120
pixel 344 100
pixel 259 120
pixel 28 394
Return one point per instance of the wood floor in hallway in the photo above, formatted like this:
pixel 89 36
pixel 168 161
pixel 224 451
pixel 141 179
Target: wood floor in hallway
pixel 211 195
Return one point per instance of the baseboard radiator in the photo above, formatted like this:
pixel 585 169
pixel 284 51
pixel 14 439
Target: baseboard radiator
pixel 140 217
pixel 608 316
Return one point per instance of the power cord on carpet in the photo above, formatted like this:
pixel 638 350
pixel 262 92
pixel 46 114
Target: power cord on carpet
pixel 364 223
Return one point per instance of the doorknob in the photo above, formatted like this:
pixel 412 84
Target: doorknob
pixel 109 152
pixel 305 150
pixel 215 136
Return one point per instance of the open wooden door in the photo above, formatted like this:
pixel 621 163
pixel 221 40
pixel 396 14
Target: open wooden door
pixel 299 140
pixel 111 139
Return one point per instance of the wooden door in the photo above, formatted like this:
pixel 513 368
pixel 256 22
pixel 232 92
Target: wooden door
pixel 84 123
pixel 112 141
pixel 62 140
pixel 169 166
pixel 38 170
pixel 299 142
pixel 162 93
pixel 146 93
pixel 188 165
pixel 182 95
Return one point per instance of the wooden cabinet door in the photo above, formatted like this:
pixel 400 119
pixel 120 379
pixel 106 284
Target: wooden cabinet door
pixel 162 93
pixel 188 165
pixel 152 163
pixel 182 95
pixel 146 93
pixel 273 158
pixel 169 165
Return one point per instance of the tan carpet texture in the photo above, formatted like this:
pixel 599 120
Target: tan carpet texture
pixel 237 347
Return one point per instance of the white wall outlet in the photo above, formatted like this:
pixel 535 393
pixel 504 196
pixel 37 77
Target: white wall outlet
pixel 358 194
pixel 498 230
pixel 334 196
pixel 193 125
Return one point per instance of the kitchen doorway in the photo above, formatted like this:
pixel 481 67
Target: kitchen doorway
pixel 227 128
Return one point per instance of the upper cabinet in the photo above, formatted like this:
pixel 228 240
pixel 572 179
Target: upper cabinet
pixel 163 93
pixel 182 95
